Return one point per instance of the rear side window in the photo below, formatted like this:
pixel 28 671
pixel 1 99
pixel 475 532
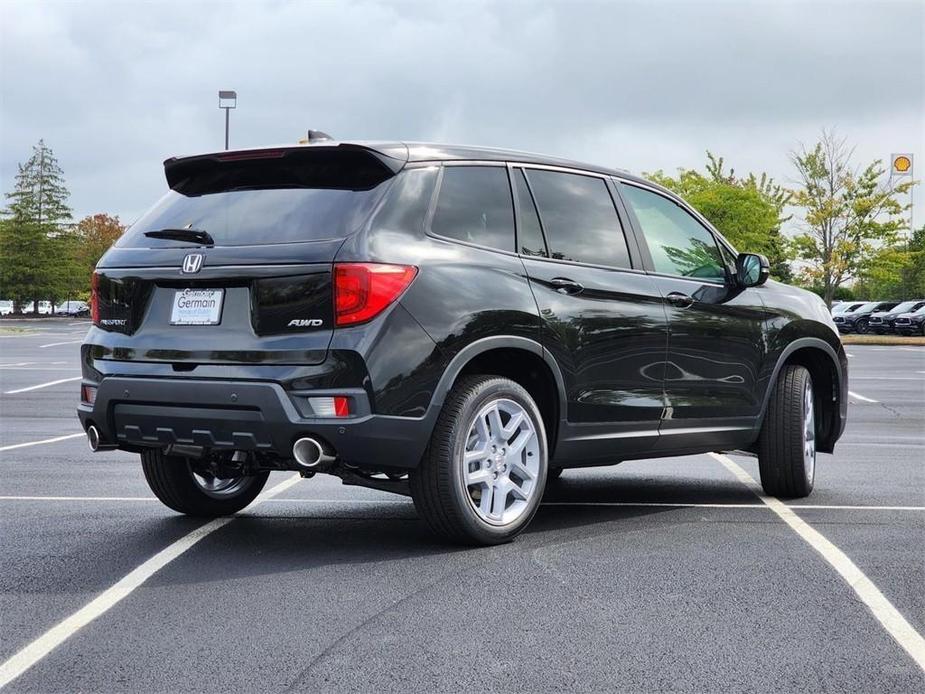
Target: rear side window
pixel 678 243
pixel 474 205
pixel 305 196
pixel 579 218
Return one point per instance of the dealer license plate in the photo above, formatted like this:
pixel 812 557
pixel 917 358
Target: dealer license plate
pixel 197 307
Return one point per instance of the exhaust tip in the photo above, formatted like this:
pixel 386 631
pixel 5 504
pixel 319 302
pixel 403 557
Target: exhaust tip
pixel 309 453
pixel 93 438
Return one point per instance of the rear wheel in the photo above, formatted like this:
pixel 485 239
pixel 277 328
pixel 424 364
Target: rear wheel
pixel 482 477
pixel 787 443
pixel 195 491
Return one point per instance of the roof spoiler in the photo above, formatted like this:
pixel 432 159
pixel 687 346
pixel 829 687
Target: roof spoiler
pixel 179 170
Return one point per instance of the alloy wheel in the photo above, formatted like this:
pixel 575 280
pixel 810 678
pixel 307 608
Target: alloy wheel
pixel 501 462
pixel 809 432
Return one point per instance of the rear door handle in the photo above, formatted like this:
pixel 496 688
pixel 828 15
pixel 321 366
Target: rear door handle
pixel 680 300
pixel 564 285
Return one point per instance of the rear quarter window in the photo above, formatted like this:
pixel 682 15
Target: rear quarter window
pixel 474 205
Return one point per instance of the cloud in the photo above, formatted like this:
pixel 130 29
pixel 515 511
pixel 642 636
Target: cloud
pixel 114 88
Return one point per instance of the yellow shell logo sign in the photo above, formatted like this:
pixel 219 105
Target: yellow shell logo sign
pixel 902 164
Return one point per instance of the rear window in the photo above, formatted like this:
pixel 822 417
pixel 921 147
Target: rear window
pixel 474 205
pixel 282 200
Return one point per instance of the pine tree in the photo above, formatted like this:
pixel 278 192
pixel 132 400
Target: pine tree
pixel 34 230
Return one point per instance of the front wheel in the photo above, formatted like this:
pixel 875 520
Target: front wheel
pixel 862 327
pixel 482 477
pixel 186 488
pixel 787 443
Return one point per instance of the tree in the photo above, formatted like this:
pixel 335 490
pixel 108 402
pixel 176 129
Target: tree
pixel 34 230
pixel 849 217
pixel 95 234
pixel 896 271
pixel 748 211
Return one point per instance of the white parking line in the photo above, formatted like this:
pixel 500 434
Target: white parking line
pixel 854 395
pixel 42 385
pixel 38 443
pixel 55 344
pixel 112 596
pixel 402 502
pixel 882 609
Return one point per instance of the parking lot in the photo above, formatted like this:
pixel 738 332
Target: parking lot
pixel 661 575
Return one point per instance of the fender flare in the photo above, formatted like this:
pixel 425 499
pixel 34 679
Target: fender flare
pixel 841 381
pixel 486 344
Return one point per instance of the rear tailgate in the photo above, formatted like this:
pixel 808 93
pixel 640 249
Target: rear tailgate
pixel 262 292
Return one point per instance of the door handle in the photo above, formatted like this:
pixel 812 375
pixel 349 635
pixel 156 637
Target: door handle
pixel 564 285
pixel 678 299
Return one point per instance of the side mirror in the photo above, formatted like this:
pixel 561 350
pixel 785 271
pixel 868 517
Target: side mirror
pixel 752 270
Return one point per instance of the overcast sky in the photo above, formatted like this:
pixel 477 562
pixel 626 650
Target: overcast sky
pixel 114 88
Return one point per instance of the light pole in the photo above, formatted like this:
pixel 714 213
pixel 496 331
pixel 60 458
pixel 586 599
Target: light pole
pixel 227 99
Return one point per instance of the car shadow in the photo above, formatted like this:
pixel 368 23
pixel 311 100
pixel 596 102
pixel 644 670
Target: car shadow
pixel 282 537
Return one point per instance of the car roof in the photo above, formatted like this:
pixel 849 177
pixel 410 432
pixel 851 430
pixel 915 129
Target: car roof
pixel 420 152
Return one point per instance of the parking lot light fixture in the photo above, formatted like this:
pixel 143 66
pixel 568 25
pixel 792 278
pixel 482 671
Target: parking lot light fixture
pixel 227 100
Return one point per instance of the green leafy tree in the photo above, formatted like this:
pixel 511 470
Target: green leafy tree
pixel 896 271
pixel 850 219
pixel 35 253
pixel 748 211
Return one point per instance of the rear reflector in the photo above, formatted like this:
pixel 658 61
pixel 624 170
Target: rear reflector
pixel 364 290
pixel 337 406
pixel 88 394
pixel 95 299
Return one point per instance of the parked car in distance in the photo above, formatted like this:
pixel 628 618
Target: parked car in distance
pixel 73 308
pixel 846 306
pixel 881 322
pixel 910 323
pixel 858 320
pixel 45 308
pixel 6 307
pixel 453 323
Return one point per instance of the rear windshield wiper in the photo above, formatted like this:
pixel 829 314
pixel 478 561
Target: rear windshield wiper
pixel 192 235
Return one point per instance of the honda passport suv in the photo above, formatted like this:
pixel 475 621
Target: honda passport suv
pixel 452 323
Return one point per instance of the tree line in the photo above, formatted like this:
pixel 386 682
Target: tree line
pixel 841 231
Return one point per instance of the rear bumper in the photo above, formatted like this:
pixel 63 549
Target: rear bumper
pixel 137 412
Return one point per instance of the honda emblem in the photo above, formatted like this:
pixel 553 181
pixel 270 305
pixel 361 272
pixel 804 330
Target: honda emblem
pixel 192 263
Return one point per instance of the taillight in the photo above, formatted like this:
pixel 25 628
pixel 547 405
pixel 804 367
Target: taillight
pixel 95 298
pixel 364 290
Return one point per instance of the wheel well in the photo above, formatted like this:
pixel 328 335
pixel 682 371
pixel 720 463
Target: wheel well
pixel 531 372
pixel 825 389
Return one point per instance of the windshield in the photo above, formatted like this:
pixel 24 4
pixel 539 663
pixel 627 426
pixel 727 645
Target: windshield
pixel 905 307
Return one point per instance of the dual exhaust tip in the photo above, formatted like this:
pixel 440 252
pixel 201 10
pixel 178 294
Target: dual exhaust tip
pixel 308 452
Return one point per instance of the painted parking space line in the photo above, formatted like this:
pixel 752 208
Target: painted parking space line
pixel 57 344
pixel 54 439
pixel 42 385
pixel 402 502
pixel 880 607
pixel 854 395
pixel 32 653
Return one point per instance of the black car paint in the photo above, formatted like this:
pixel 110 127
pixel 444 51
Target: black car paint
pixel 633 375
pixel 859 319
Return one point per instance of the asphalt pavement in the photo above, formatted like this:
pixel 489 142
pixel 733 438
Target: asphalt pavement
pixel 667 575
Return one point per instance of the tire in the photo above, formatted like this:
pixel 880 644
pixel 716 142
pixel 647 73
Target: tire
pixel 491 498
pixel 787 443
pixel 862 327
pixel 172 480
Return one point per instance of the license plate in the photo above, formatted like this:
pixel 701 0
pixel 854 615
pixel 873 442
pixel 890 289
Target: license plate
pixel 197 307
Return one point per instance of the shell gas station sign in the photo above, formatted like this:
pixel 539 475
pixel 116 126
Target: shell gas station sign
pixel 901 165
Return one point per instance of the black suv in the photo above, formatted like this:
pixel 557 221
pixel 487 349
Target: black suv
pixel 857 320
pixel 457 324
pixel 912 323
pixel 882 322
